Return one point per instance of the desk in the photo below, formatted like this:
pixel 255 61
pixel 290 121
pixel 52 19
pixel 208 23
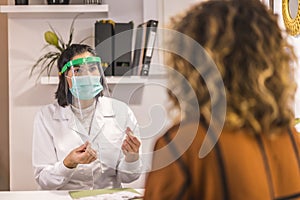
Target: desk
pixel 35 195
pixel 40 195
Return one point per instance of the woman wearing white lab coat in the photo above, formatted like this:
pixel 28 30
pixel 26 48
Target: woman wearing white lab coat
pixel 100 149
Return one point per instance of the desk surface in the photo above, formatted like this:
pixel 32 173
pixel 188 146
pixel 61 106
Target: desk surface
pixel 35 195
pixel 40 195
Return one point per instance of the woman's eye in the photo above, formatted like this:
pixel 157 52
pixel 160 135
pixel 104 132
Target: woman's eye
pixel 77 68
pixel 93 68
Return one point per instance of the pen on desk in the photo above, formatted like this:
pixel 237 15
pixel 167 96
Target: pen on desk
pixel 136 197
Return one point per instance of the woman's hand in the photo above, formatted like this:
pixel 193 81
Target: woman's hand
pixel 80 155
pixel 131 146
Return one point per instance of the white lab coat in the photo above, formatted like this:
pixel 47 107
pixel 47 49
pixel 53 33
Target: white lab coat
pixel 57 132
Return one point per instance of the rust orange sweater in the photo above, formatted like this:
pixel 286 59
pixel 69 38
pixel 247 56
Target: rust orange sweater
pixel 241 166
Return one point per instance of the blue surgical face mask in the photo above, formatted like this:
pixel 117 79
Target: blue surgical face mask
pixel 85 87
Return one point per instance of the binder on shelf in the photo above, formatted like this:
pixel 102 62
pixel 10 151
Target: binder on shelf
pixel 113 43
pixel 144 43
pixel 123 49
pixel 104 29
pixel 137 55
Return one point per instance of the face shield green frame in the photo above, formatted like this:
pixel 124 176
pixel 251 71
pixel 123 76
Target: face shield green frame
pixel 86 61
pixel 80 61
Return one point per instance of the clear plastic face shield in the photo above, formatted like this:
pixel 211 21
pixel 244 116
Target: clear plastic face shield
pixel 86 81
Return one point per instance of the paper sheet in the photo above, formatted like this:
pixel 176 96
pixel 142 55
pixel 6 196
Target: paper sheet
pixel 106 194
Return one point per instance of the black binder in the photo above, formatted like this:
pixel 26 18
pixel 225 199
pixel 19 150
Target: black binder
pixel 138 50
pixel 123 49
pixel 104 44
pixel 145 39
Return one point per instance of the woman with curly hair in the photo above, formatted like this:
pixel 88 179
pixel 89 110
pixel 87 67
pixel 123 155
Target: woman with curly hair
pixel 235 137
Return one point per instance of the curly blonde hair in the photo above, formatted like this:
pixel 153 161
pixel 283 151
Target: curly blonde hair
pixel 252 56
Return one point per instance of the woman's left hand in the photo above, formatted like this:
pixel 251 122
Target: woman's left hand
pixel 131 146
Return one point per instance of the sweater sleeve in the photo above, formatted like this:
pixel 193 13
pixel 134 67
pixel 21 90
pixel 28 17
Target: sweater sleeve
pixel 163 182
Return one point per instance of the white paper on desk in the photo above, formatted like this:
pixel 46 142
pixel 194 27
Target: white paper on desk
pixel 114 196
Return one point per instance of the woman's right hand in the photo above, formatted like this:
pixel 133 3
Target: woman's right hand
pixel 80 155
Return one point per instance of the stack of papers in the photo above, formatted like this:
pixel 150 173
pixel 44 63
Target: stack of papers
pixel 106 194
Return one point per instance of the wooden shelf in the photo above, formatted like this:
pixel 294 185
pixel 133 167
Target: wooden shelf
pixel 85 8
pixel 53 80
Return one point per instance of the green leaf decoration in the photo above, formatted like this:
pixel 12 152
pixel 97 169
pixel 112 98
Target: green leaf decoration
pixel 45 63
pixel 51 38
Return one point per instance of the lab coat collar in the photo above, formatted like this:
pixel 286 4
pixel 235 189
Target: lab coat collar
pixel 62 112
pixel 106 106
pixel 104 109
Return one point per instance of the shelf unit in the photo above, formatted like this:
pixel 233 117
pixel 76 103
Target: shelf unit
pixel 53 80
pixel 30 9
pixel 63 9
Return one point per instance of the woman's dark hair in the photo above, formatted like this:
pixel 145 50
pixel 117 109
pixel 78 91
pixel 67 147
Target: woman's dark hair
pixel 62 94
